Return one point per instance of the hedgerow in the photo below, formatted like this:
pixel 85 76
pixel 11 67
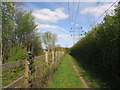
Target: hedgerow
pixel 100 46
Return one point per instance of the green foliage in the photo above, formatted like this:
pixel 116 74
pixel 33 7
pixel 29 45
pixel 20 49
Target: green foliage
pixel 16 53
pixel 36 44
pixel 49 40
pixel 100 47
pixel 18 33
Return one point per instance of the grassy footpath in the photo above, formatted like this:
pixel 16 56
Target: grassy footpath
pixel 65 76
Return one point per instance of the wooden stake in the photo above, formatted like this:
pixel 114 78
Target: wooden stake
pixel 46 56
pixel 53 57
pixel 26 72
pixel 56 55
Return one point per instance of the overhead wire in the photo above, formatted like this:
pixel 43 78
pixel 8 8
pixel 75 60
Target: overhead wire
pixel 99 6
pixel 73 12
pixel 96 10
pixel 105 11
pixel 69 12
pixel 76 13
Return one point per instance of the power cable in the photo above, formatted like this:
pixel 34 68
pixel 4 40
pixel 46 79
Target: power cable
pixel 77 13
pixel 105 11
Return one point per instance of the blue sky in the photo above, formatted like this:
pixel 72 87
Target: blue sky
pixel 54 17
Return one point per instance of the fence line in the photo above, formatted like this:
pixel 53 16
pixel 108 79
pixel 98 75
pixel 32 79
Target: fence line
pixel 12 64
pixel 15 82
pixel 16 63
pixel 55 57
pixel 38 57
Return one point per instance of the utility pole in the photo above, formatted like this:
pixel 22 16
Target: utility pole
pixel 72 30
pixel 73 35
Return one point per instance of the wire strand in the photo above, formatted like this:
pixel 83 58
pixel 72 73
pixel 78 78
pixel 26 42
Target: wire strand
pixel 105 11
pixel 77 13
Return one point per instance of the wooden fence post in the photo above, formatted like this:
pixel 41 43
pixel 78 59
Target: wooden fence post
pixel 53 56
pixel 56 55
pixel 59 54
pixel 62 53
pixel 46 56
pixel 26 72
pixel 28 69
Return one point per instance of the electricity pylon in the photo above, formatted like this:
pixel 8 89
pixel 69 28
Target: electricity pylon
pixel 74 33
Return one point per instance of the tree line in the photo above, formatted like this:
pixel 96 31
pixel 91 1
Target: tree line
pixel 100 46
pixel 19 33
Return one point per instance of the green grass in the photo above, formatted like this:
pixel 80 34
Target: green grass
pixel 65 76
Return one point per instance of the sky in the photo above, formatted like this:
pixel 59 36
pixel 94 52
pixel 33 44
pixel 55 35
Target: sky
pixel 60 17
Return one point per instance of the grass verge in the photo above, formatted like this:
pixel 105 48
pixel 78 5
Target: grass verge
pixel 65 76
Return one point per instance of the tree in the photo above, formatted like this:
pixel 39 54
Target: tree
pixel 25 19
pixel 8 27
pixel 49 40
pixel 18 32
pixel 53 41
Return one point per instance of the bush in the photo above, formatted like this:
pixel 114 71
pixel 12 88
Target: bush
pixel 16 53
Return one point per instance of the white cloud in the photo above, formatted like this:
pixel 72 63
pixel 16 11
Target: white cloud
pixel 56 28
pixel 47 26
pixel 100 11
pixel 65 36
pixel 47 15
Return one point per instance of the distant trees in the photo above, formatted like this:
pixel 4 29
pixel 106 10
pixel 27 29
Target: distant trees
pixel 100 46
pixel 18 32
pixel 49 40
